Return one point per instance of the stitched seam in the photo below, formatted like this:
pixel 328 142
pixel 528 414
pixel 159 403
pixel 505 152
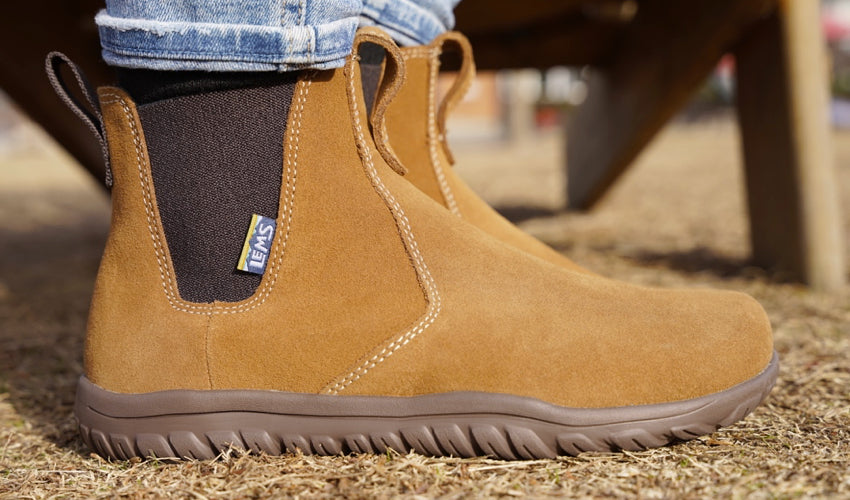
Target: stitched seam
pixel 419 52
pixel 424 275
pixel 207 351
pixel 166 278
pixel 434 140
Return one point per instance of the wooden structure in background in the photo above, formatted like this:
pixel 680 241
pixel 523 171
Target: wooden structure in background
pixel 795 215
pixel 648 55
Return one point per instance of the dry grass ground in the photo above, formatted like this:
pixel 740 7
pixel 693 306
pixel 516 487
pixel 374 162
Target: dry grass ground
pixel 677 219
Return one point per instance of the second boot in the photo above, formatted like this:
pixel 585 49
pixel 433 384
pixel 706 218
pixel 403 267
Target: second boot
pixel 416 128
pixel 381 320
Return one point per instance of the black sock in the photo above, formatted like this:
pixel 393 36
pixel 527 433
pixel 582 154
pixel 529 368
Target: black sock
pixel 371 66
pixel 146 85
pixel 215 142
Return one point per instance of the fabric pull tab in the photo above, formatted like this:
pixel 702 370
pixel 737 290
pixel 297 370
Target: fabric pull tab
pixel 88 111
pixel 258 245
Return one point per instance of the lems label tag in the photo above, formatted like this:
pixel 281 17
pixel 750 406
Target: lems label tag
pixel 258 244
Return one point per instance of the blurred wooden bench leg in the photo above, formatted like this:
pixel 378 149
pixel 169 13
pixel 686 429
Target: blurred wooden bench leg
pixel 795 218
pixel 662 58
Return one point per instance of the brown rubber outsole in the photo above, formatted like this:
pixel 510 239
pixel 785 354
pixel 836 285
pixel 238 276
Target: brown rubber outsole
pixel 200 424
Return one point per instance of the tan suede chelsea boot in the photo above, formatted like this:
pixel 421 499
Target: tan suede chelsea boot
pixel 381 320
pixel 416 125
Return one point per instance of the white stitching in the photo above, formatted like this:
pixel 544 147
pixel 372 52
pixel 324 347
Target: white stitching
pixel 420 52
pixel 434 137
pixel 166 278
pixel 424 275
pixel 208 351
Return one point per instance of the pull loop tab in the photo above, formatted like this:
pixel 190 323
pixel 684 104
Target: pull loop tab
pixel 88 111
pixel 391 82
pixel 454 40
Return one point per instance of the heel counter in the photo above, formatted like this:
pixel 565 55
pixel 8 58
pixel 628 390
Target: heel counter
pixel 137 340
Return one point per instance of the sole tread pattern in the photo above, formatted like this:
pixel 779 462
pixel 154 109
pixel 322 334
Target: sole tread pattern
pixel 510 442
pixel 504 436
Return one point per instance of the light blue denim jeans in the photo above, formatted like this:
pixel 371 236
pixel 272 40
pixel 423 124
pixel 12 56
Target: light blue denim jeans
pixel 257 35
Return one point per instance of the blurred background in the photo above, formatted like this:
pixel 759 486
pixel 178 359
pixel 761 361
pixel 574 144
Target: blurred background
pixel 681 204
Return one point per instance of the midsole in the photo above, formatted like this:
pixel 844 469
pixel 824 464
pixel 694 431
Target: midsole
pixel 118 406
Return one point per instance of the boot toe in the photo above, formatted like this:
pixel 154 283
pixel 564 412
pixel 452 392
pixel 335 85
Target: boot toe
pixel 716 340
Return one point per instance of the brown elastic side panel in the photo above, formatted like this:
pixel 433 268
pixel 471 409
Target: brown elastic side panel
pixel 216 159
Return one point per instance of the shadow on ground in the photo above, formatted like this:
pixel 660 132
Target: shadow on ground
pixel 698 260
pixel 702 260
pixel 46 280
pixel 520 213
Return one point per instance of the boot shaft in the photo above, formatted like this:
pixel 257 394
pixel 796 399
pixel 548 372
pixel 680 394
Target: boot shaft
pixel 337 267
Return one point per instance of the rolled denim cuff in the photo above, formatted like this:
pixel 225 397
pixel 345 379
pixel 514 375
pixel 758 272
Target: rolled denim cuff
pixel 408 22
pixel 212 46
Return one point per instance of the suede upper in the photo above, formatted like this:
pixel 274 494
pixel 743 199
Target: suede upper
pixel 373 288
